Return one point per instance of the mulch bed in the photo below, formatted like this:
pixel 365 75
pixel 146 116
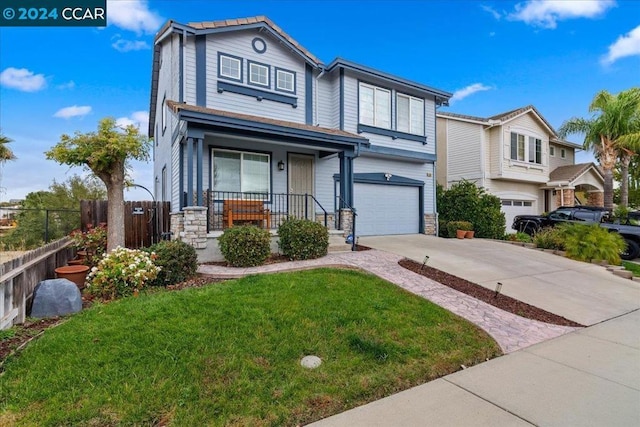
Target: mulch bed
pixel 501 301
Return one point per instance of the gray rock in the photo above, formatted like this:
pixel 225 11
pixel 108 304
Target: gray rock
pixel 311 362
pixel 56 297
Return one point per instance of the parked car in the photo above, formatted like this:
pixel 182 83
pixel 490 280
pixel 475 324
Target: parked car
pixel 531 224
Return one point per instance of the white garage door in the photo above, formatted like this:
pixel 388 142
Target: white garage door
pixel 386 209
pixel 511 208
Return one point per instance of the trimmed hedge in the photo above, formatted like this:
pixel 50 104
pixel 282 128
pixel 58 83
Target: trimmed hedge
pixel 245 246
pixel 303 239
pixel 177 259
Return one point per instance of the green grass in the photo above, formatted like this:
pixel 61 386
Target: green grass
pixel 632 267
pixel 228 354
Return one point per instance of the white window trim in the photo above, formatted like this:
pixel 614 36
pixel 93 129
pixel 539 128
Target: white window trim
pixel 410 98
pixel 376 89
pixel 231 58
pixel 293 80
pixel 250 76
pixel 242 153
pixel 527 149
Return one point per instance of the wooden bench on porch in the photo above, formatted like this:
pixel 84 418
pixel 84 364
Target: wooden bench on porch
pixel 245 210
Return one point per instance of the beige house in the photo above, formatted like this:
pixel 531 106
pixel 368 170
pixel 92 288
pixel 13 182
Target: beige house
pixel 518 157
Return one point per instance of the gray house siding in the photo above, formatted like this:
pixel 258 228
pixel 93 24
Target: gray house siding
pixel 190 71
pixel 239 44
pixel 328 87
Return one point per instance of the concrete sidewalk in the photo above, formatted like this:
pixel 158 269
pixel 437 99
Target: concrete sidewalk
pixel 590 377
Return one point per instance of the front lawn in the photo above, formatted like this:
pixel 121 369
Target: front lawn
pixel 632 267
pixel 229 353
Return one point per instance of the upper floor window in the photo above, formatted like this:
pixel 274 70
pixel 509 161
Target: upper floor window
pixel 230 67
pixel 563 153
pixel 375 106
pixel 526 149
pixel 410 114
pixel 552 151
pixel 258 74
pixel 285 80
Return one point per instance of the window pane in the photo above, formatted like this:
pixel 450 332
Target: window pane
pixel 383 108
pixel 285 81
pixel 226 171
pixel 538 151
pixel 403 113
pixel 259 74
pixel 255 173
pixel 366 105
pixel 417 116
pixel 514 146
pixel 521 147
pixel 229 67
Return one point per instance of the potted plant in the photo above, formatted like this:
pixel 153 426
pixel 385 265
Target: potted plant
pixel 90 245
pixel 459 228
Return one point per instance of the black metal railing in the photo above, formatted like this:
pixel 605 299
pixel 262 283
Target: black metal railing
pixel 266 210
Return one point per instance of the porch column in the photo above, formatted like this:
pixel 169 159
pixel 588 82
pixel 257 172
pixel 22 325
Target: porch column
pixel 189 171
pixel 199 173
pixel 346 179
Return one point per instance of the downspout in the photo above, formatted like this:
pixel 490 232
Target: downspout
pixel 435 171
pixel 315 95
pixel 184 66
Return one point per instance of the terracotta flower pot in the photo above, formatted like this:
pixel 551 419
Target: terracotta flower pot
pixel 469 234
pixel 79 261
pixel 460 234
pixel 76 273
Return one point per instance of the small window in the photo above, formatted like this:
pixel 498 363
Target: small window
pixel 258 74
pixel 163 116
pixel 506 203
pixel 285 80
pixel 552 151
pixel 563 153
pixel 230 67
pixel 529 204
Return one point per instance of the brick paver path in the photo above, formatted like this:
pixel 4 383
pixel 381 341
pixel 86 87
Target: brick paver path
pixel 512 332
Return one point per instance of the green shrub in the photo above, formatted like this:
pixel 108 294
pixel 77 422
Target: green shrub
pixel 453 226
pixel 245 246
pixel 177 259
pixel 443 231
pixel 120 273
pixel 590 242
pixel 464 201
pixel 518 237
pixel 549 238
pixel 303 239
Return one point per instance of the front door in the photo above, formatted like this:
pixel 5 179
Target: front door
pixel 300 185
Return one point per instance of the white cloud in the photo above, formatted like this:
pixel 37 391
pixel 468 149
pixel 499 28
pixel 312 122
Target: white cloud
pixel 492 11
pixel 133 15
pixel 22 79
pixel 547 13
pixel 69 85
pixel 73 111
pixel 139 119
pixel 626 45
pixel 460 94
pixel 123 45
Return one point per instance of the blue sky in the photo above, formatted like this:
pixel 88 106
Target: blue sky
pixel 494 55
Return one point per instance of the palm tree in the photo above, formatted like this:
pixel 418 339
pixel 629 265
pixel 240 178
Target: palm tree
pixel 613 132
pixel 5 152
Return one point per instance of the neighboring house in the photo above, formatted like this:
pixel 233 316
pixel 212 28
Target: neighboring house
pixel 518 157
pixel 240 110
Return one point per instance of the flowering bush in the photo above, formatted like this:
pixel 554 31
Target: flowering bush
pixel 121 272
pixel 93 241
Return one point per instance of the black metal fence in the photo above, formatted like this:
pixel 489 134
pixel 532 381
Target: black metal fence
pixel 266 210
pixel 26 228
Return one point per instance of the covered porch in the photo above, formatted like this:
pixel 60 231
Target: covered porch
pixel 580 184
pixel 249 169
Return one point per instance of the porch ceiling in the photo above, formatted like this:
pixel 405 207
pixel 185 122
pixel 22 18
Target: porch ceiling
pixel 249 125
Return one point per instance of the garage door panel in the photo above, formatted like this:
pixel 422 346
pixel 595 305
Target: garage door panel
pixel 386 209
pixel 511 208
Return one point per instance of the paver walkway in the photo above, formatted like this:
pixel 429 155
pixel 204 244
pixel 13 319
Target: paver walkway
pixel 510 331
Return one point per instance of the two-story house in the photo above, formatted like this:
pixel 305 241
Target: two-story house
pixel 518 157
pixel 241 111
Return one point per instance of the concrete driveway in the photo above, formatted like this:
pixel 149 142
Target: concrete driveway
pixel 585 293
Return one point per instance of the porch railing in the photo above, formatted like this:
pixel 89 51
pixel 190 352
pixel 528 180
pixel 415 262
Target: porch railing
pixel 267 210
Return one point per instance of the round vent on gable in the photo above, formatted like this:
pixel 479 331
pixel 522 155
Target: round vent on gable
pixel 259 45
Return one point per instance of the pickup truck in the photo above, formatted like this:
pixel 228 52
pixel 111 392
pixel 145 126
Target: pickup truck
pixel 531 224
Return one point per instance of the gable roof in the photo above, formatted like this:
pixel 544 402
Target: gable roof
pixel 464 117
pixel 510 115
pixel 571 172
pixel 442 97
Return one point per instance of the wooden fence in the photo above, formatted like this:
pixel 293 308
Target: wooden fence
pixel 145 223
pixel 19 277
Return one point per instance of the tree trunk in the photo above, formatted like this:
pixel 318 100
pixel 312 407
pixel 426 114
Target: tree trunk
pixel 608 189
pixel 624 179
pixel 114 181
pixel 607 157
